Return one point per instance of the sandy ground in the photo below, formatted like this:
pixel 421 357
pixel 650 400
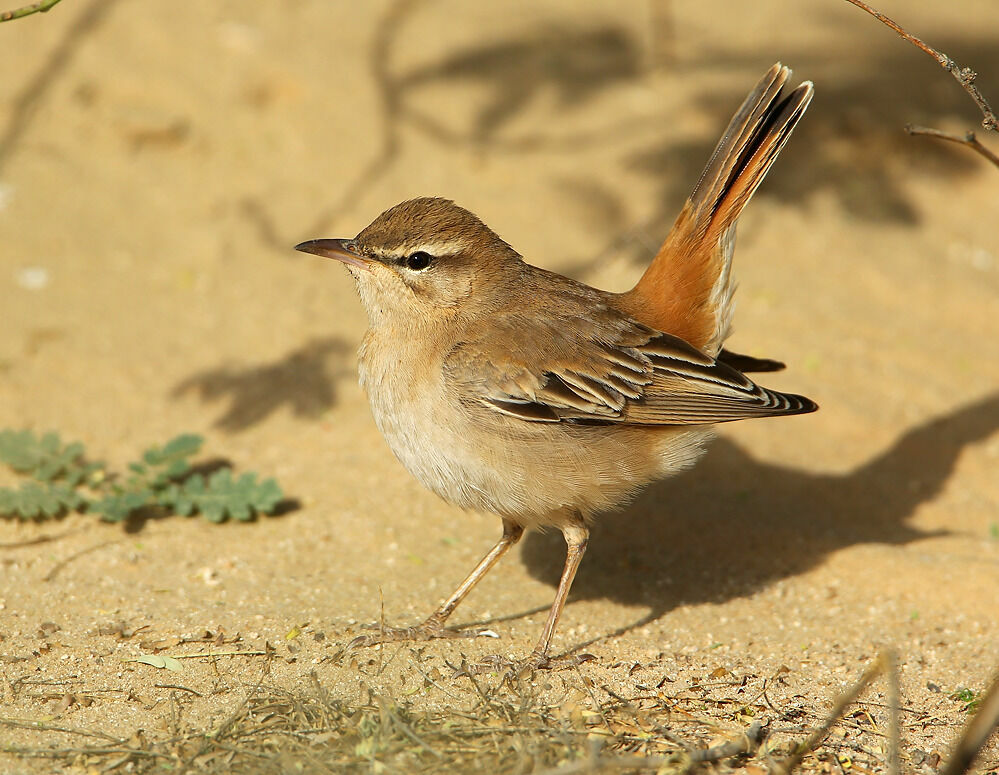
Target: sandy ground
pixel 157 165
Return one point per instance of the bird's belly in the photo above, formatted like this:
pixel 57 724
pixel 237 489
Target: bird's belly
pixel 529 472
pixel 431 446
pixel 535 473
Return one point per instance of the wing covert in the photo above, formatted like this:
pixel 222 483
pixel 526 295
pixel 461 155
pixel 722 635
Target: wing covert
pixel 614 370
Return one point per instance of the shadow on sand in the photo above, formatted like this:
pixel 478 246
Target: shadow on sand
pixel 304 380
pixel 733 525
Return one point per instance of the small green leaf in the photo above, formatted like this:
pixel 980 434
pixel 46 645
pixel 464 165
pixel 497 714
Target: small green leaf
pixel 969 697
pixel 21 450
pixel 33 500
pixel 43 458
pixel 166 464
pixel 90 473
pixel 222 496
pixel 176 468
pixel 162 478
pixel 182 446
pixel 174 499
pixel 119 507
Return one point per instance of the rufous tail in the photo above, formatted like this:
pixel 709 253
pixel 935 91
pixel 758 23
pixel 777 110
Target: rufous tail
pixel 687 290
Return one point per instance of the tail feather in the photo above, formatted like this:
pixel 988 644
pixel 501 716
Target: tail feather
pixel 730 155
pixel 687 290
pixel 747 363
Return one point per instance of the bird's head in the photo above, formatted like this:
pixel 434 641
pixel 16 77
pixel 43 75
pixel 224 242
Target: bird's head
pixel 422 258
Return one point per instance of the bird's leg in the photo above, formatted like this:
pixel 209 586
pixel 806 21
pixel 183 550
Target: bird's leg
pixel 434 627
pixel 576 536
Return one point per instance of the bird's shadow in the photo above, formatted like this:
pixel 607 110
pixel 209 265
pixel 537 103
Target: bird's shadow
pixel 733 524
pixel 304 380
pixel 850 149
pixel 573 64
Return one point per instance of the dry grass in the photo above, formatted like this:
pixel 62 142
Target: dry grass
pixel 508 729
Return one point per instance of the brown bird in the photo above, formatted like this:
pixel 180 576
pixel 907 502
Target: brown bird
pixel 507 388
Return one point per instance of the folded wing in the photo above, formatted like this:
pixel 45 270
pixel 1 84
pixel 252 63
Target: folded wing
pixel 606 368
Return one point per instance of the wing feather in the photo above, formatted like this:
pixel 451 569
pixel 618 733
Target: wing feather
pixel 605 367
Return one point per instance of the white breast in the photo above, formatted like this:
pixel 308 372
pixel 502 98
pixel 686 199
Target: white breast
pixel 419 421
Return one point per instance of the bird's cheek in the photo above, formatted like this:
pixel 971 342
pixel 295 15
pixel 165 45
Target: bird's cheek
pixel 455 291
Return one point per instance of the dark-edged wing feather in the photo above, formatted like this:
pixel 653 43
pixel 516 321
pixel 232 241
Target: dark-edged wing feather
pixel 604 367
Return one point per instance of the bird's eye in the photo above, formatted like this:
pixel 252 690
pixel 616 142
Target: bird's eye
pixel 418 261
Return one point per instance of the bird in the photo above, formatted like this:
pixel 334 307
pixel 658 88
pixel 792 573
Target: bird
pixel 507 388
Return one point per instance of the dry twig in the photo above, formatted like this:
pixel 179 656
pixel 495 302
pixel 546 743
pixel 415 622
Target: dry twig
pixel 976 734
pixel 963 75
pixel 27 10
pixel 76 555
pixel 968 139
pixel 17 723
pixel 844 701
pixel 894 711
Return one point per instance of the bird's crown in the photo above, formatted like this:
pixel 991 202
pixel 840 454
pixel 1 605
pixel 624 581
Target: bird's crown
pixel 431 225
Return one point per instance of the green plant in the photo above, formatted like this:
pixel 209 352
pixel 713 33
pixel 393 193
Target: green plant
pixel 164 479
pixel 969 697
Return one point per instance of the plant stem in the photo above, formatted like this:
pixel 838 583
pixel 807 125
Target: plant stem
pixel 968 139
pixel 963 75
pixel 40 7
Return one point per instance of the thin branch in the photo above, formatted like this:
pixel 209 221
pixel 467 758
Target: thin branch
pixel 59 753
pixel 178 686
pixel 218 654
pixel 76 555
pixel 17 723
pixel 968 139
pixel 35 541
pixel 894 716
pixel 963 75
pixel 802 749
pixel 27 10
pixel 976 734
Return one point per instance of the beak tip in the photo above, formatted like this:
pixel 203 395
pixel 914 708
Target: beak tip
pixel 339 249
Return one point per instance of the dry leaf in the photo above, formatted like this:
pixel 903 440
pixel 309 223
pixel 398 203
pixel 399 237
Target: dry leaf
pixel 155 660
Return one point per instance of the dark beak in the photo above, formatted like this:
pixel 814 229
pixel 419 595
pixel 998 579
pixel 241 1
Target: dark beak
pixel 340 249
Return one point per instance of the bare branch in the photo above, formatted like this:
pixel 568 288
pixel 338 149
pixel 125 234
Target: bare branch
pixel 968 139
pixel 963 75
pixel 40 7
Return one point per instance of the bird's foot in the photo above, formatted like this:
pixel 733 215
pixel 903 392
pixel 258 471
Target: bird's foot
pixel 429 630
pixel 529 664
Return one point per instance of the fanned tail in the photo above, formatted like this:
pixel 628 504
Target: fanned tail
pixel 687 290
